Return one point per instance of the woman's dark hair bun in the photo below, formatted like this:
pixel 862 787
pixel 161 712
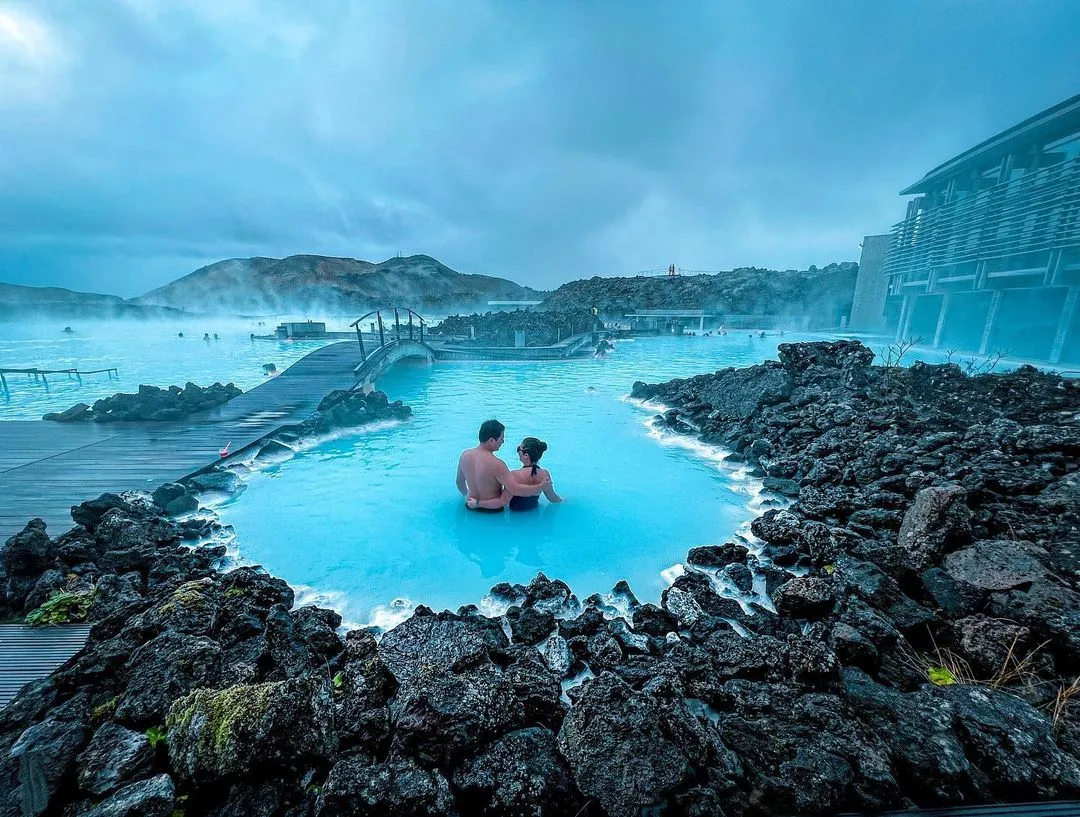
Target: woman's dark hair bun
pixel 534 447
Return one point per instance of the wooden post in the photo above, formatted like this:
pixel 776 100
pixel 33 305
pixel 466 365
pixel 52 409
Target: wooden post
pixel 360 337
pixel 3 381
pixel 397 325
pixel 421 330
pixel 382 338
pixel 410 325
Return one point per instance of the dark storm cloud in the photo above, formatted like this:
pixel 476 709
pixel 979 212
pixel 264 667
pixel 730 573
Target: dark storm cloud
pixel 540 141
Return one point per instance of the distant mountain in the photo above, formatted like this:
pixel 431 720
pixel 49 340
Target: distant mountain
pixel 327 285
pixel 22 302
pixel 823 294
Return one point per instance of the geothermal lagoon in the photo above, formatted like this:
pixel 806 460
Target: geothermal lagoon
pixel 371 523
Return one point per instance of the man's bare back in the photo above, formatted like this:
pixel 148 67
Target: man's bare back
pixel 483 474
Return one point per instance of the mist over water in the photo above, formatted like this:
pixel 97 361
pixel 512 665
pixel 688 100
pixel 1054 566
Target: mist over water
pixel 147 352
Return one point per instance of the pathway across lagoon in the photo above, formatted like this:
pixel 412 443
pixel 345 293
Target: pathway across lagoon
pixel 45 468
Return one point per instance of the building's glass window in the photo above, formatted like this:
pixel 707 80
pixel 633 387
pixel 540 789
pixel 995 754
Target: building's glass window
pixel 1021 261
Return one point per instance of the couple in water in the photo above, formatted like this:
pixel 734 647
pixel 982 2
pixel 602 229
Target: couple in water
pixel 488 485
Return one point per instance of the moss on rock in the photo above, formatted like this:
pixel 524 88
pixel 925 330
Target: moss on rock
pixel 219 733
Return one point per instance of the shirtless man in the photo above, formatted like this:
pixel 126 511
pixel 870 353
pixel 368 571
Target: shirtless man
pixel 481 475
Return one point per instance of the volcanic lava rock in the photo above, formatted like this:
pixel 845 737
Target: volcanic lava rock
pixel 805 597
pixel 440 718
pixel 241 730
pixel 522 773
pixel 356 786
pixel 531 625
pixel 149 404
pixel 115 755
pixel 164 669
pixel 443 640
pixel 24 559
pixel 350 408
pixel 717 555
pixel 630 750
pixel 937 521
pixel 919 731
pixel 995 565
pixel 804 753
pixel 1011 744
pixel 154 797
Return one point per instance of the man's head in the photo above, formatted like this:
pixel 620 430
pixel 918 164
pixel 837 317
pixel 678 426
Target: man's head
pixel 491 434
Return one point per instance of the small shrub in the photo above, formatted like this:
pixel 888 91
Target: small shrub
pixel 940 676
pixel 892 358
pixel 62 607
pixel 156 735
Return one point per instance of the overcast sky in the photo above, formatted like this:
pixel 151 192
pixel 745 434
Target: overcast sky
pixel 538 141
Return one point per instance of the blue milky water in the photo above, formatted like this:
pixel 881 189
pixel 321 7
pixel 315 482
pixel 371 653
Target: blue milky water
pixel 376 517
pixel 372 523
pixel 143 352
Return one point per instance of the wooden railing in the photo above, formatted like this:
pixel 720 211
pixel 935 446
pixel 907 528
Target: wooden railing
pixel 39 374
pixel 397 326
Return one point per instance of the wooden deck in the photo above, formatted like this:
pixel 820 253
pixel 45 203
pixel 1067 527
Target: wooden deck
pixel 45 468
pixel 30 653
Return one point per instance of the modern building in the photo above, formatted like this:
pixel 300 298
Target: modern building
pixel 988 258
pixel 871 286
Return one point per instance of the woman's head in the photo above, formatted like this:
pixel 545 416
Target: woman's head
pixel 531 450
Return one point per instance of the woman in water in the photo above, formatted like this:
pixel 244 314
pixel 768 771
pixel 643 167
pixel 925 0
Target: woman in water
pixel 529 453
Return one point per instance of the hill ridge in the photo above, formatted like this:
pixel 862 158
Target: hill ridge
pixel 331 284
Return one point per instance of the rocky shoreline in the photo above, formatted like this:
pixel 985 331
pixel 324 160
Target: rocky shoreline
pixel 933 535
pixel 150 403
pixel 541 327
pixel 823 295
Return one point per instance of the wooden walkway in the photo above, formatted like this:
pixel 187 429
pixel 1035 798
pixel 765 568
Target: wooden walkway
pixel 30 653
pixel 45 468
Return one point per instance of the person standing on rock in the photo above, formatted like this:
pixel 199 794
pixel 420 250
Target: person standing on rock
pixel 481 476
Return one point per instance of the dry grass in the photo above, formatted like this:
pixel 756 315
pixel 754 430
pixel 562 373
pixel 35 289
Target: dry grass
pixel 1017 671
pixel 1059 707
pixel 943 667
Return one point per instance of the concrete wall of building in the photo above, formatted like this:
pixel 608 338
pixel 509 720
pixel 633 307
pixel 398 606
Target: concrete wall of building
pixel 871 285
